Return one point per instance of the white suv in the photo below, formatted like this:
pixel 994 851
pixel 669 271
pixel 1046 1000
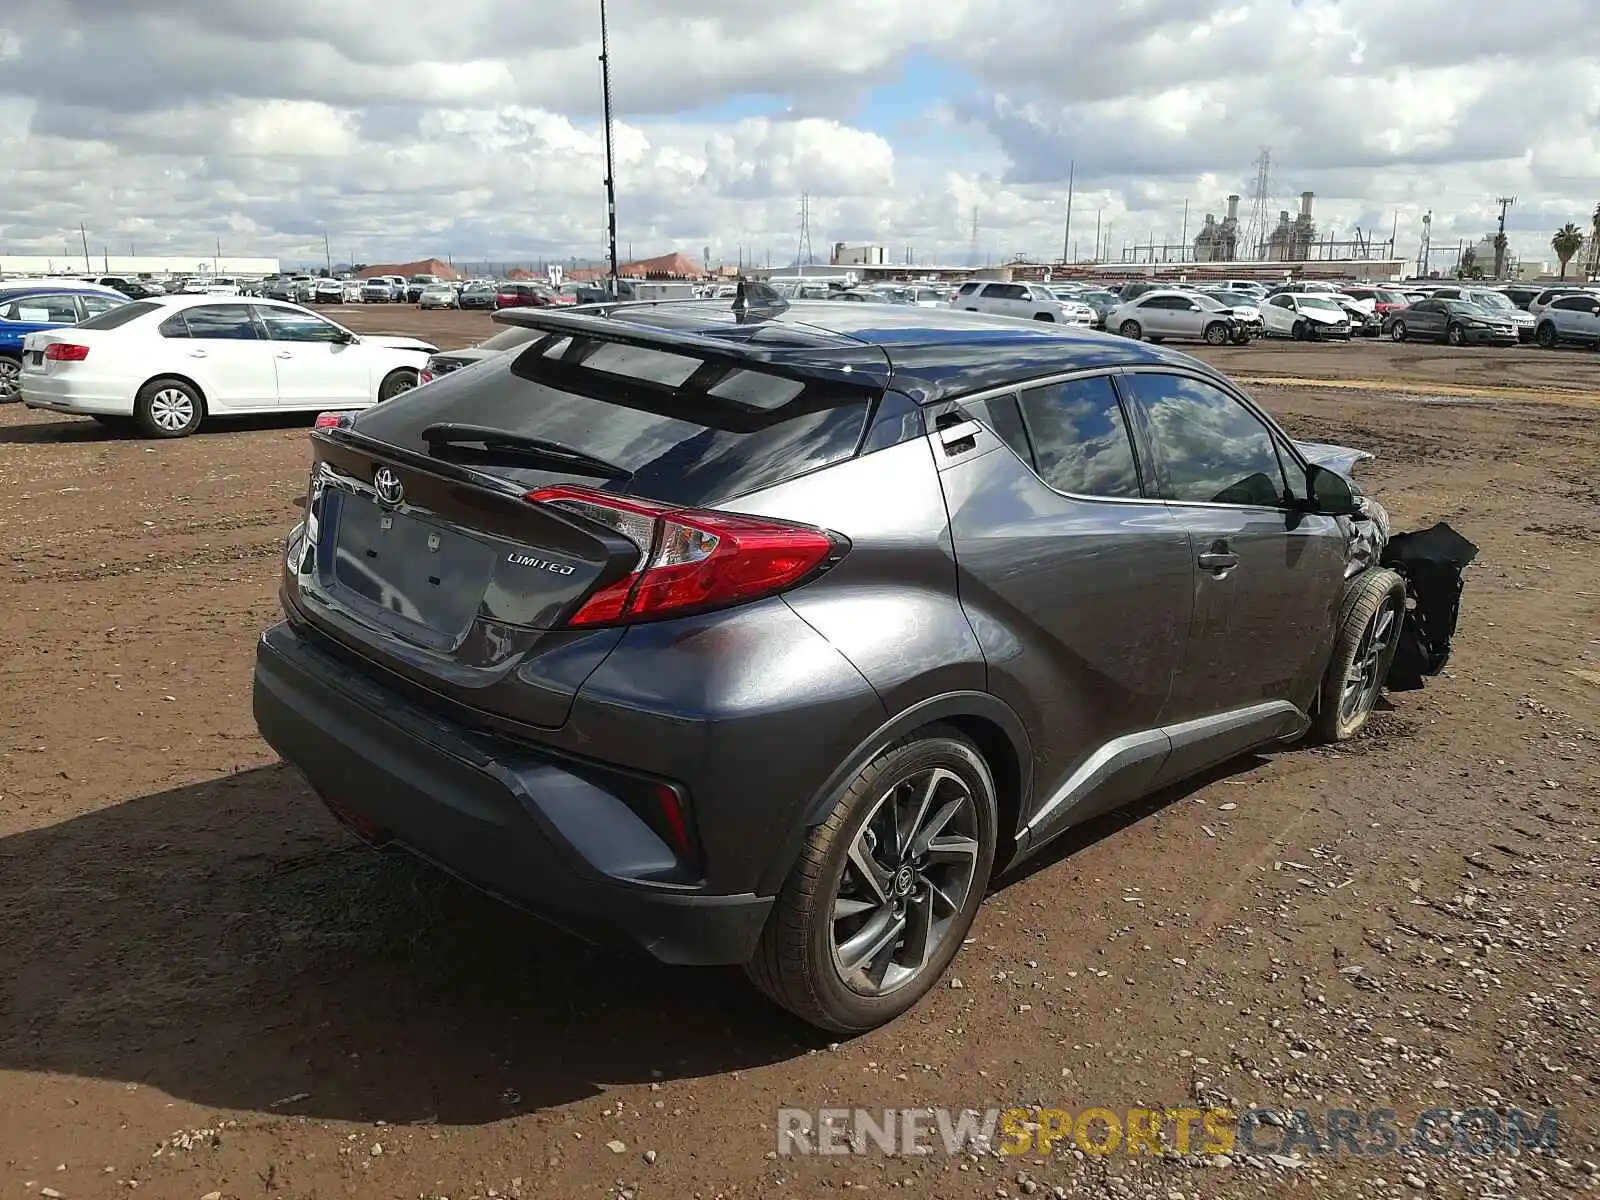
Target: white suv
pixel 1029 301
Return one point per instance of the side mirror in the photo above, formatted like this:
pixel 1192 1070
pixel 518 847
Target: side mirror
pixel 1330 493
pixel 346 338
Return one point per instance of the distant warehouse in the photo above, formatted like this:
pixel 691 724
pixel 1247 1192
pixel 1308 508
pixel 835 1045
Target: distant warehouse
pixel 134 265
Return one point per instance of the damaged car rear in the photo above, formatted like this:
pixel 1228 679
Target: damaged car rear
pixel 767 634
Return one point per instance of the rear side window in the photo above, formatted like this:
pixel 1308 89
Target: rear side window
pixel 218 322
pixel 699 442
pixel 116 318
pixel 967 289
pixel 1080 438
pixel 42 310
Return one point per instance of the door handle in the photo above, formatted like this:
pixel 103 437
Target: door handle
pixel 285 354
pixel 197 354
pixel 1218 560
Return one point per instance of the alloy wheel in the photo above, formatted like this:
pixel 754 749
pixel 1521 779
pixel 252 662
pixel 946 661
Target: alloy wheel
pixel 172 409
pixel 1363 681
pixel 907 877
pixel 10 380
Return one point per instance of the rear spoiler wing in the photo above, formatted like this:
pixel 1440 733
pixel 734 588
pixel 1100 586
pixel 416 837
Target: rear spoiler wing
pixel 792 351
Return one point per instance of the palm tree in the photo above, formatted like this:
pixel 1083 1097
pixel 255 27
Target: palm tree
pixel 1568 240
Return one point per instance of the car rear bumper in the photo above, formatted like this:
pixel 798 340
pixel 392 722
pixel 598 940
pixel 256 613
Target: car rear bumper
pixel 76 395
pixel 516 823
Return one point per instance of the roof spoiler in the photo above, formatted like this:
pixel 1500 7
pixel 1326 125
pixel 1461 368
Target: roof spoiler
pixel 853 363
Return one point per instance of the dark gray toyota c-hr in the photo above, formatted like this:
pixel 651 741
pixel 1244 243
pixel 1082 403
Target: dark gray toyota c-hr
pixel 766 635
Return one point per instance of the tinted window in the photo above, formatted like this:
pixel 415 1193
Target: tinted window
pixel 1005 291
pixel 119 315
pixel 287 325
pixel 1282 302
pixel 682 447
pixel 42 310
pixel 1574 303
pixel 1001 414
pixel 1080 439
pixel 220 322
pixel 967 289
pixel 1215 449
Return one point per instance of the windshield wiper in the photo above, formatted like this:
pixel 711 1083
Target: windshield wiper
pixel 485 444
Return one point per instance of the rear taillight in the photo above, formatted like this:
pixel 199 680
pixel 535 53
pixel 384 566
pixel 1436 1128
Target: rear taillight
pixel 332 420
pixel 66 352
pixel 691 560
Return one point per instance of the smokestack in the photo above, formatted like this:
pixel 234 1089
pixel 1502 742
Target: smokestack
pixel 1305 203
pixel 1233 208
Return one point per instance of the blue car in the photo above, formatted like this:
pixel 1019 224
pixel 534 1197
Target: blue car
pixel 28 308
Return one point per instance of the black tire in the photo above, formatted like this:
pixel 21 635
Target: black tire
pixel 1455 335
pixel 1300 331
pixel 157 408
pixel 1369 595
pixel 10 379
pixel 795 963
pixel 1216 334
pixel 1397 331
pixel 1130 329
pixel 402 379
pixel 1545 335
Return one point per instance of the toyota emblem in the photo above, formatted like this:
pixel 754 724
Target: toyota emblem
pixel 387 484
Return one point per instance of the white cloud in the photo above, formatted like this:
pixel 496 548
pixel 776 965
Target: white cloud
pixel 409 127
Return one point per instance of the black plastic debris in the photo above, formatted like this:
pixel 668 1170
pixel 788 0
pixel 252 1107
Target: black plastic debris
pixel 1431 561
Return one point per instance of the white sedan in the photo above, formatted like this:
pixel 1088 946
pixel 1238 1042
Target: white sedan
pixel 169 364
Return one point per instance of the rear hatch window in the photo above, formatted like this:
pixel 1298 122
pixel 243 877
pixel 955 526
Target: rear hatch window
pixel 678 429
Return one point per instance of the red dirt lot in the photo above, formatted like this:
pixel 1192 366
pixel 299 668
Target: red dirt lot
pixel 208 990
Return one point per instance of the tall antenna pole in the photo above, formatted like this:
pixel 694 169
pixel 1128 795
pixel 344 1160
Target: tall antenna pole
pixel 611 182
pixel 84 234
pixel 1097 213
pixel 972 250
pixel 1066 237
pixel 327 252
pixel 1504 202
pixel 1183 238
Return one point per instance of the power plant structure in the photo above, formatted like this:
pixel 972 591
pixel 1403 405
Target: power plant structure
pixel 1294 239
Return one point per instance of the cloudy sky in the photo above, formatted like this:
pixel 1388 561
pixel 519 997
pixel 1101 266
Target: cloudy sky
pixel 471 128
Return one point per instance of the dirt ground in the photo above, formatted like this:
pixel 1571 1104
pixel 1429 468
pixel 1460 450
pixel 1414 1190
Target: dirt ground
pixel 206 990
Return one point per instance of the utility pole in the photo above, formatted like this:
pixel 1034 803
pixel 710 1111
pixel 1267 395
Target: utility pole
pixel 1504 202
pixel 1066 236
pixel 1097 213
pixel 1183 239
pixel 327 254
pixel 611 183
pixel 84 235
pixel 216 259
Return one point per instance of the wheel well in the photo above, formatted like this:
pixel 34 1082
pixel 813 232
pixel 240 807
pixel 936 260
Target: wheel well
pixel 198 390
pixel 1044 316
pixel 997 750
